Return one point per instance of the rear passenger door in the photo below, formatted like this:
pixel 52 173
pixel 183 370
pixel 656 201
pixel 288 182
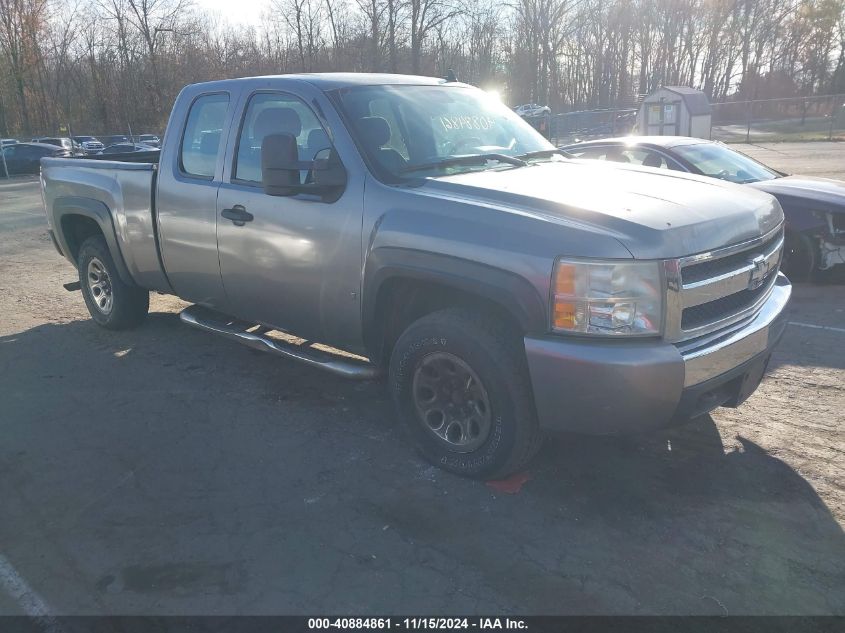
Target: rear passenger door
pixel 186 199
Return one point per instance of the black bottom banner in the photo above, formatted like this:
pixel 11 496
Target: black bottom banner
pixel 532 624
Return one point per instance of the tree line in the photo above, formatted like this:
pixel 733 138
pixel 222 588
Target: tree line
pixel 110 65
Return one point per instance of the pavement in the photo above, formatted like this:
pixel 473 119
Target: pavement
pixel 18 209
pixel 166 471
pixel 810 158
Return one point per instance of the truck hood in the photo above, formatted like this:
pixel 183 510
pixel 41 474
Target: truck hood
pixel 654 215
pixel 828 193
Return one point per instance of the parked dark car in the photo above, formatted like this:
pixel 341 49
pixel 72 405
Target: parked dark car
pixel 114 139
pixel 60 141
pixel 127 148
pixel 814 207
pixel 25 158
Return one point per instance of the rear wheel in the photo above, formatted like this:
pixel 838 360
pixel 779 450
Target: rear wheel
pixel 460 383
pixel 112 303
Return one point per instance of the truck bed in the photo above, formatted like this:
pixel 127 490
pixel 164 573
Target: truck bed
pixel 122 190
pixel 131 157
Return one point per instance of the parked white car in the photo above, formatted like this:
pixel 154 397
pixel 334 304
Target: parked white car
pixel 532 109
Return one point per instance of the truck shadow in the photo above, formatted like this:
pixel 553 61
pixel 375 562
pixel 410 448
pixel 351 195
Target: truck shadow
pixel 225 447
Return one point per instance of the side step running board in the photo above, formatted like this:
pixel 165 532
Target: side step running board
pixel 210 321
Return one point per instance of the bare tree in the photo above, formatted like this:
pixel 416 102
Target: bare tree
pixel 108 65
pixel 424 16
pixel 20 24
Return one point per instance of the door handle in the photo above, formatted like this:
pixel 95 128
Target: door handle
pixel 238 215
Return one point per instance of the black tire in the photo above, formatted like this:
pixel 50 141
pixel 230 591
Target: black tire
pixel 492 351
pixel 128 305
pixel 799 257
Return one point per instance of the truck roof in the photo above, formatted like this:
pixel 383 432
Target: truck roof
pixel 332 81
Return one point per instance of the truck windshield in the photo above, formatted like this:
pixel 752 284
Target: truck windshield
pixel 407 131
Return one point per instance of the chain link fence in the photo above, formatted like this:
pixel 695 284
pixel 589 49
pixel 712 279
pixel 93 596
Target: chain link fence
pixel 819 118
pixel 583 125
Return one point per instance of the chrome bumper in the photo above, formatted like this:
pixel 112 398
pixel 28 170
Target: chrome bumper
pixel 713 357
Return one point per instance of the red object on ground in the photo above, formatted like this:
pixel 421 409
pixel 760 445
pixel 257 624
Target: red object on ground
pixel 511 485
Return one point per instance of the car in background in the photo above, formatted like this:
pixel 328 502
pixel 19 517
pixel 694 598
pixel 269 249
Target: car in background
pixel 25 158
pixel 114 139
pixel 127 148
pixel 532 109
pixel 814 207
pixel 149 139
pixel 61 141
pixel 89 144
pixel 8 141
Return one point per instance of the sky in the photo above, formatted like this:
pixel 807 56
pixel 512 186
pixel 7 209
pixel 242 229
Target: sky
pixel 235 11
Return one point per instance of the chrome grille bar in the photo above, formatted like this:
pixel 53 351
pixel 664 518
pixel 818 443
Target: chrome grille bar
pixel 736 280
pixel 724 286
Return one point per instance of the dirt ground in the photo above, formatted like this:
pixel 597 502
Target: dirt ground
pixel 167 471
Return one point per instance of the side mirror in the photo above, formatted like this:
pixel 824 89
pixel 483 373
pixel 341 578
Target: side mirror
pixel 280 165
pixel 329 172
pixel 281 170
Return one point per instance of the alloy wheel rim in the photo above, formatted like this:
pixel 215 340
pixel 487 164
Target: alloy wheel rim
pixel 99 286
pixel 451 402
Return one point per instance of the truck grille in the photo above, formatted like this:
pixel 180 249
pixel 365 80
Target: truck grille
pixel 714 290
pixel 713 311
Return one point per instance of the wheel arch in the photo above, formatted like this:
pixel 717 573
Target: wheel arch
pixel 402 285
pixel 77 219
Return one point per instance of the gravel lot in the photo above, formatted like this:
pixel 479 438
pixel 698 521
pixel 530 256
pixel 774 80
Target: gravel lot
pixel 167 471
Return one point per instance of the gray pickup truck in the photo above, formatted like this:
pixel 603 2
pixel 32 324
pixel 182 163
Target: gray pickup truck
pixel 370 224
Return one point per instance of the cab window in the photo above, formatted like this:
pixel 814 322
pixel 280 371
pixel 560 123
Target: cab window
pixel 381 108
pixel 203 132
pixel 274 113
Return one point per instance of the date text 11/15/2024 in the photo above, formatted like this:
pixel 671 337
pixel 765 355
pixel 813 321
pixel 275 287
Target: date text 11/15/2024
pixel 430 624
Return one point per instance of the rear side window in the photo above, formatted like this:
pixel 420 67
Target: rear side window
pixel 203 132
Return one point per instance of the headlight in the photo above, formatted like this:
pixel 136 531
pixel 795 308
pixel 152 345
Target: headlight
pixel 607 298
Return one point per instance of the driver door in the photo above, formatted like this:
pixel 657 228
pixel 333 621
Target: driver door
pixel 289 262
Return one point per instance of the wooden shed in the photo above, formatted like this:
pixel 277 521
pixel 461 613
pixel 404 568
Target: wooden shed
pixel 675 111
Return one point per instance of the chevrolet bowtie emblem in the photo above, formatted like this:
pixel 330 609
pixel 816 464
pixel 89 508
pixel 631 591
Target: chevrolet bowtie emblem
pixel 759 272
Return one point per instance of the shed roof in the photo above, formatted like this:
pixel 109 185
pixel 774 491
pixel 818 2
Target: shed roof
pixel 695 101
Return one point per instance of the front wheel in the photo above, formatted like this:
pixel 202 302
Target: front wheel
pixel 112 303
pixel 460 383
pixel 799 257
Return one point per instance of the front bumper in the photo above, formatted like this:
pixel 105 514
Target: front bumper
pixel 629 386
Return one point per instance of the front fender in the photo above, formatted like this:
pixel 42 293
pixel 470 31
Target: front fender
pixel 513 293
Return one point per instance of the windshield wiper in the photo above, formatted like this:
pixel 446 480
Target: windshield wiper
pixel 544 153
pixel 469 159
